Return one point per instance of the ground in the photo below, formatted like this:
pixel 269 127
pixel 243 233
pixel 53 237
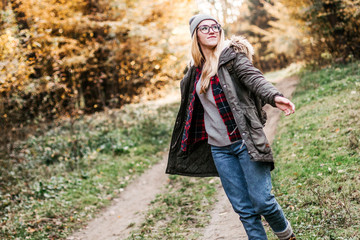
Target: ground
pixel 116 221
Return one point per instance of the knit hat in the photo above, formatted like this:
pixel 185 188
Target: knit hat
pixel 196 19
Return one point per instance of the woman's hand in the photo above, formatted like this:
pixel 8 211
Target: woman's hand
pixel 284 105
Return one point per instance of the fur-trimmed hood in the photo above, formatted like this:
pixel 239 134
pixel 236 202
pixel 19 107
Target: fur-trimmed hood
pixel 240 45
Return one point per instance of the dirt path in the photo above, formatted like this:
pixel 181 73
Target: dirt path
pixel 127 211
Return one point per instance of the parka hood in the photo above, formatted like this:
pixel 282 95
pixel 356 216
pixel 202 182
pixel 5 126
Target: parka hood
pixel 240 45
pixel 237 44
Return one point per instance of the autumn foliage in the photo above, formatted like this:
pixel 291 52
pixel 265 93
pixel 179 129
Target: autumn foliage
pixel 60 58
pixel 317 32
pixel 64 58
pixel 331 29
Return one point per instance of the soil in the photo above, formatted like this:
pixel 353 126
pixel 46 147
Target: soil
pixel 128 210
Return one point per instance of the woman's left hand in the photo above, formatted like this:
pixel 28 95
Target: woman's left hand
pixel 284 105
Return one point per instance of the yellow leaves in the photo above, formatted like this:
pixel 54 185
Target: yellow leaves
pixel 14 71
pixel 36 44
pixel 61 44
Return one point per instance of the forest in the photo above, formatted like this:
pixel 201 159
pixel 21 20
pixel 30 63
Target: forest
pixel 63 61
pixel 65 58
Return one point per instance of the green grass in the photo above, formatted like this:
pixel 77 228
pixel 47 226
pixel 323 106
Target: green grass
pixel 317 149
pixel 55 181
pixel 180 211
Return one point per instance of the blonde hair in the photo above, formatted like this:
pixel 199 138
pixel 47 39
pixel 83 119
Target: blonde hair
pixel 209 66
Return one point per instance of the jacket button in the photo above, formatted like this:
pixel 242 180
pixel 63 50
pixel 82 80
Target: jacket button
pixel 244 134
pixel 249 152
pixel 224 86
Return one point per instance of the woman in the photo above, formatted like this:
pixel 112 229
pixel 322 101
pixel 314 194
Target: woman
pixel 219 127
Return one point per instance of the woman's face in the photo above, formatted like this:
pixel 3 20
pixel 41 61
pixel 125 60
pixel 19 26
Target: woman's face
pixel 207 36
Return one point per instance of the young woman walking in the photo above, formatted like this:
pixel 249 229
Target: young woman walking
pixel 219 127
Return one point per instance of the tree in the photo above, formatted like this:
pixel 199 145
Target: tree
pixel 87 55
pixel 331 28
pixel 261 24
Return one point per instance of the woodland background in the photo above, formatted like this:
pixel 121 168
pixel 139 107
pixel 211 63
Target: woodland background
pixel 70 142
pixel 66 58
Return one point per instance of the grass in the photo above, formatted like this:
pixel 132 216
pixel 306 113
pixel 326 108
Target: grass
pixel 53 182
pixel 317 179
pixel 180 211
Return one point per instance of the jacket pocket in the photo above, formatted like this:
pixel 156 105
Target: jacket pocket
pixel 256 131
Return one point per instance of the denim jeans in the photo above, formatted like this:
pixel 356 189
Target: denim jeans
pixel 247 184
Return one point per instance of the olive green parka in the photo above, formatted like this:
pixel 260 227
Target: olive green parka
pixel 240 87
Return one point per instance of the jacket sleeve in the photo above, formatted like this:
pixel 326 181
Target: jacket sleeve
pixel 253 79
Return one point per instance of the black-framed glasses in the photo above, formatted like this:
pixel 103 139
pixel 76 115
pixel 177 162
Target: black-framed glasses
pixel 206 28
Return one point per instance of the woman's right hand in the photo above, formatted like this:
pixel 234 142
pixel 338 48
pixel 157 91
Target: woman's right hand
pixel 284 105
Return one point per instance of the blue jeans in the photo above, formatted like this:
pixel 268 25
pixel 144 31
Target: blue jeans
pixel 247 184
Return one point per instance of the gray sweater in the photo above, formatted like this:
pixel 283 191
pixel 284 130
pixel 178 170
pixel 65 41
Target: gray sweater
pixel 214 124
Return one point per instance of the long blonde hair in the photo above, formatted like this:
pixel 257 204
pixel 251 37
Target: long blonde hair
pixel 209 66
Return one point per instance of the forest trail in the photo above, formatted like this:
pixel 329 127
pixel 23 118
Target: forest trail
pixel 130 207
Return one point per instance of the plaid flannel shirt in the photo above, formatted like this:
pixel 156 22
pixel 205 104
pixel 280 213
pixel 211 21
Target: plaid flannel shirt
pixel 195 127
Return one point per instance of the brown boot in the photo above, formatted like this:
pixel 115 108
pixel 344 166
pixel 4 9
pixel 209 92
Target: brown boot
pixel 292 237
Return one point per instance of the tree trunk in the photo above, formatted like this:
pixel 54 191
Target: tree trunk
pixel 4 3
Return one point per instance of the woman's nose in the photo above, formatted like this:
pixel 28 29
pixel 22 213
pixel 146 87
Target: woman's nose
pixel 211 31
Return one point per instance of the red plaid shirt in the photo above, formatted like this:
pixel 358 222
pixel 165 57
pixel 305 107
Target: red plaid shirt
pixel 195 127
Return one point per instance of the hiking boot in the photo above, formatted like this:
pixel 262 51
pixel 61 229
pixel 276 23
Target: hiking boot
pixel 292 237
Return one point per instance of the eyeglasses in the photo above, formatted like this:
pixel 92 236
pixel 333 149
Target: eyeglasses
pixel 206 29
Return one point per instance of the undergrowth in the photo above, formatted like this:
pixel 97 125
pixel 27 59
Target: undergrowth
pixel 55 181
pixel 317 178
